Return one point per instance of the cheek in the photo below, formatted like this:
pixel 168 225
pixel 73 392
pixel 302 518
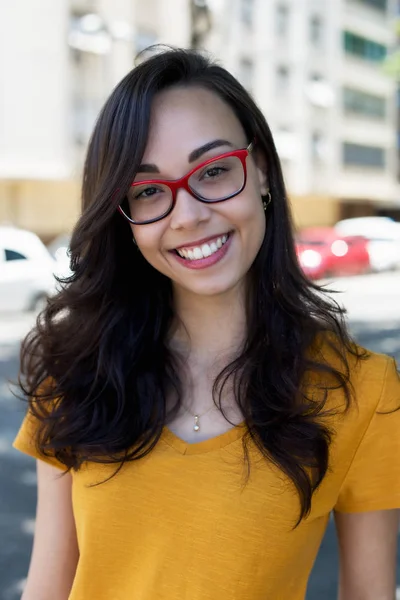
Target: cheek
pixel 254 206
pixel 249 220
pixel 248 215
pixel 256 230
pixel 148 239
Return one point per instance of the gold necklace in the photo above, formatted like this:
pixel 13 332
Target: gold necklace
pixel 196 425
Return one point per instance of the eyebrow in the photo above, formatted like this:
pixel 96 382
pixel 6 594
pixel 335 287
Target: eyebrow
pixel 207 147
pixel 194 155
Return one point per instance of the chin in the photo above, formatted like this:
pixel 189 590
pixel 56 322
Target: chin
pixel 212 288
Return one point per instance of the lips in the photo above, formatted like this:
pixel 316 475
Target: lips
pixel 198 264
pixel 202 250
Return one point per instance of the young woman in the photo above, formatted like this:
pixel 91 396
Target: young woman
pixel 203 399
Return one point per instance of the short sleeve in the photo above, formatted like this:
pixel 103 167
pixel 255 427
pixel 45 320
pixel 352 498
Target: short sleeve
pixel 25 441
pixel 373 479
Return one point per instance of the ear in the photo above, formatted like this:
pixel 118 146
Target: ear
pixel 261 166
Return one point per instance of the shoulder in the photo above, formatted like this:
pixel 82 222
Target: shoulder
pixel 365 454
pixel 370 376
pixel 33 432
pixel 375 381
pixel 374 388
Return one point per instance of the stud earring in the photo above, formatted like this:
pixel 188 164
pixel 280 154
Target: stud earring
pixel 268 201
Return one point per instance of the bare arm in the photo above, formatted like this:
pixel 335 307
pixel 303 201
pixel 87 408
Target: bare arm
pixel 55 549
pixel 367 545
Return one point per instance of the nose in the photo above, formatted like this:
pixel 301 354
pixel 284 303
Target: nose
pixel 188 212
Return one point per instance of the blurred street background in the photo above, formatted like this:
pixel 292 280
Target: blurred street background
pixel 326 74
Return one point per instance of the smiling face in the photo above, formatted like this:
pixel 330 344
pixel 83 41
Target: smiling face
pixel 205 249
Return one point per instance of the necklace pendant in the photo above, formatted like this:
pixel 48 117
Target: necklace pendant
pixel 196 425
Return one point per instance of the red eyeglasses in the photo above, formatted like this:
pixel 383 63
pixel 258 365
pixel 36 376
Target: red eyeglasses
pixel 215 180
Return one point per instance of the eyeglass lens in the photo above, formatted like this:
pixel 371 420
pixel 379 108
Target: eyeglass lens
pixel 213 182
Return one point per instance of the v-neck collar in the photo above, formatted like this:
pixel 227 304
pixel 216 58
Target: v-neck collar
pixel 209 445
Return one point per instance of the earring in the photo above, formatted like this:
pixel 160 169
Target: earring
pixel 268 201
pixel 134 241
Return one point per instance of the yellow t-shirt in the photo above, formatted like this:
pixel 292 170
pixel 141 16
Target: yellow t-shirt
pixel 179 524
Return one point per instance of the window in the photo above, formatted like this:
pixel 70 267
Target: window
pixel 246 73
pixel 361 103
pixel 363 156
pixel 86 94
pixel 363 48
pixel 286 144
pixel 13 255
pixel 378 4
pixel 247 11
pixel 316 31
pixel 305 240
pixel 282 20
pixel 282 78
pixel 317 147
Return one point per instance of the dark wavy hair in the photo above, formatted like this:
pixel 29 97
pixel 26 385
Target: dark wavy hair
pixel 97 366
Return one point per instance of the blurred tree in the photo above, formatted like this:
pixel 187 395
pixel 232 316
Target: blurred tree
pixel 392 62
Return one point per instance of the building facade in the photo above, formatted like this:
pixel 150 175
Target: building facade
pixel 317 71
pixel 315 68
pixel 59 61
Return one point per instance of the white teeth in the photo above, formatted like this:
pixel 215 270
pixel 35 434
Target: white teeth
pixel 206 250
pixel 203 251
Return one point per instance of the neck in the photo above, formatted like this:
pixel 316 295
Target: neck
pixel 209 328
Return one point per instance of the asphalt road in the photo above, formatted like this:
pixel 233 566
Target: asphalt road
pixel 374 308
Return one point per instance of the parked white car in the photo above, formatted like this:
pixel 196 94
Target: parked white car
pixel 26 271
pixel 384 239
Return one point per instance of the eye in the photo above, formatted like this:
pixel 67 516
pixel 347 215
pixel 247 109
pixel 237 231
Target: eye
pixel 213 172
pixel 145 193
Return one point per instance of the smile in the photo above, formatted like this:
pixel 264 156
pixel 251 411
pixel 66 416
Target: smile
pixel 193 253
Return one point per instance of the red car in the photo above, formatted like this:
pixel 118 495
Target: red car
pixel 322 252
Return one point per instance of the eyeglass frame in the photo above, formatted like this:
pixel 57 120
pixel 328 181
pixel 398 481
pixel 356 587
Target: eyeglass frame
pixel 183 183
